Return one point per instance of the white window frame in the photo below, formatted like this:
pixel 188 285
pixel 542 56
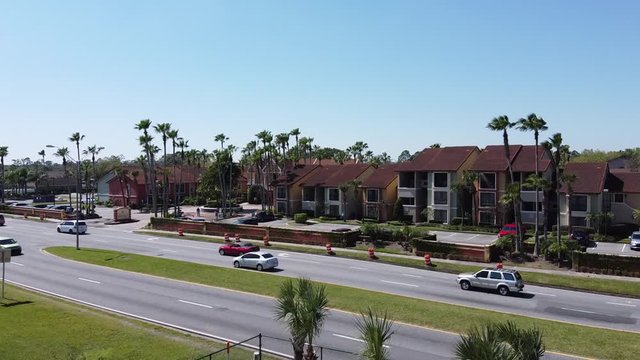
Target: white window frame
pixel 480 199
pixel 377 192
pixel 495 180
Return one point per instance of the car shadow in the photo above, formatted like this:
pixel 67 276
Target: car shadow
pixel 522 295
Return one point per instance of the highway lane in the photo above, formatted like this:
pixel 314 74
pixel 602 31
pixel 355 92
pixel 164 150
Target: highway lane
pixel 554 304
pixel 203 309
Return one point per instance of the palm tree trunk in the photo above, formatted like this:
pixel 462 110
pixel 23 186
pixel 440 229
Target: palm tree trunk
pixel 535 232
pixel 154 187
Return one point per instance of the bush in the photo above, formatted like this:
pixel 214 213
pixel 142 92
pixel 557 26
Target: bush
pixel 398 210
pixel 505 243
pixel 300 218
pixel 109 203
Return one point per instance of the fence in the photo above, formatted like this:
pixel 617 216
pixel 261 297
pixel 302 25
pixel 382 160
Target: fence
pixel 263 344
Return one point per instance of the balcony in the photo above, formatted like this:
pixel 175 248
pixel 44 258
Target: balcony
pixel 407 192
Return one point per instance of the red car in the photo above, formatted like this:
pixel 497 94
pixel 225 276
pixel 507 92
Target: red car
pixel 508 229
pixel 236 249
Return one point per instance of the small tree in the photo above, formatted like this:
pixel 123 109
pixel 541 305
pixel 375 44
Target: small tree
pixel 398 210
pixel 636 215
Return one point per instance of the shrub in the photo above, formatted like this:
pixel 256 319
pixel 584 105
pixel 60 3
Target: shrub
pixel 398 210
pixel 505 243
pixel 109 203
pixel 255 194
pixel 300 218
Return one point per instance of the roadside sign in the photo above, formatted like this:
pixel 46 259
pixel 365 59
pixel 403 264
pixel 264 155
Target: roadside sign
pixel 5 255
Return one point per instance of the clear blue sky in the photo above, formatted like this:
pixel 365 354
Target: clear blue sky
pixel 395 74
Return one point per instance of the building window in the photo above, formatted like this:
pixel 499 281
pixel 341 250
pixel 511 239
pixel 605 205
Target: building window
pixel 579 203
pixel 372 212
pixel 440 197
pixel 407 201
pixel 440 180
pixel 617 198
pixel 578 221
pixel 530 206
pixel 487 181
pixel 487 218
pixel 309 194
pixel 440 215
pixel 281 192
pixel 487 199
pixel 334 194
pixel 372 195
pixel 281 207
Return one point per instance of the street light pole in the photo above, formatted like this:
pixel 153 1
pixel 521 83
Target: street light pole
pixel 78 189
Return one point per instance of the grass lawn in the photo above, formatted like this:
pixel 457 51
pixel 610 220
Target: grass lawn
pixel 558 336
pixel 36 326
pixel 604 286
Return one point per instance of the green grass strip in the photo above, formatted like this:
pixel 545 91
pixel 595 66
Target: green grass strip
pixel 558 336
pixel 35 326
pixel 578 282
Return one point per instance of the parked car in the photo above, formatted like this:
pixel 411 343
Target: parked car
pixel 11 244
pixel 66 208
pixel 21 204
pixel 192 218
pixel 509 229
pixel 70 227
pixel 236 249
pixel 502 280
pixel 634 243
pixel 1 220
pixel 258 260
pixel 581 236
pixel 263 216
pixel 247 221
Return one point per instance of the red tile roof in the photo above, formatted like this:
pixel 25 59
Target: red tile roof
pixel 630 180
pixel 335 175
pixel 381 177
pixel 525 159
pixel 590 177
pixel 293 175
pixel 492 158
pixel 448 158
pixel 189 175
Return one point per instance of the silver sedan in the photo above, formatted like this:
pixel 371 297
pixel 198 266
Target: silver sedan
pixel 259 260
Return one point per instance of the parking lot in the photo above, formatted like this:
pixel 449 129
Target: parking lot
pixel 613 249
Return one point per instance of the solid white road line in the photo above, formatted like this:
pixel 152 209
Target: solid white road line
pixel 89 280
pixel 152 238
pixel 143 318
pixel 578 310
pixel 16 263
pixel 357 268
pixel 355 339
pixel 542 294
pixel 398 283
pixel 623 247
pixel 167 250
pixel 196 304
pixel 620 304
pixel 413 276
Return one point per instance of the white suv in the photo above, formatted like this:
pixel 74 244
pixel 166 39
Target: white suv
pixel 503 280
pixel 70 227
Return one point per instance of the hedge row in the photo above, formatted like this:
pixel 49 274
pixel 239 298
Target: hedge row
pixel 606 264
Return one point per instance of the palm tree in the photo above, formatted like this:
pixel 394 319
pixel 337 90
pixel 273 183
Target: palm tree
pixel 511 197
pixel 535 124
pixel 296 132
pixel 502 123
pixel 344 189
pixel 93 150
pixel 63 152
pixel 282 140
pixel 145 142
pixel 303 306
pixel 142 162
pixel 500 341
pixel 164 129
pixel 375 330
pixel 539 183
pixel 4 151
pixel 460 188
pixel 555 143
pixel 182 144
pixel 173 135
pixel 76 138
pixel 568 180
pixel 636 215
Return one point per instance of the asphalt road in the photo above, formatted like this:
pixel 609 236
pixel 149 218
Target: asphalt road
pixel 613 249
pixel 237 316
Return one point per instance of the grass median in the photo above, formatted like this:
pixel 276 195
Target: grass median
pixel 579 283
pixel 558 336
pixel 36 326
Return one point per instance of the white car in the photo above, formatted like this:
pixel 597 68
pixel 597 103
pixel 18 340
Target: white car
pixel 70 227
pixel 258 260
pixel 634 242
